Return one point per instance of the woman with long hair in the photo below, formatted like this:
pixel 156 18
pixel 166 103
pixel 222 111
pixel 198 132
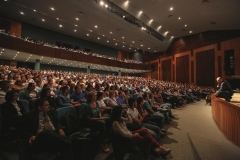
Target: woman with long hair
pixel 30 93
pixel 140 137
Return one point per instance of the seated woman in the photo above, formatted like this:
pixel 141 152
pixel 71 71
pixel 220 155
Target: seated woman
pixel 106 111
pixel 30 93
pixel 140 137
pixel 18 85
pixel 94 118
pixel 12 110
pixel 63 99
pixel 46 94
pixel 111 101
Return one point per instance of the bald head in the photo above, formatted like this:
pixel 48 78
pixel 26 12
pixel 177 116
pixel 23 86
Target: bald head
pixel 219 79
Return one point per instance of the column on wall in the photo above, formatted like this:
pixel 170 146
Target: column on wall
pixel 37 65
pixel 119 72
pixel 88 70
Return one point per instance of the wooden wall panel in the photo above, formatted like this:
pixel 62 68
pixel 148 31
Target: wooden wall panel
pixel 182 69
pixel 205 68
pixel 154 70
pixel 219 66
pixel 192 71
pixel 15 27
pixel 166 70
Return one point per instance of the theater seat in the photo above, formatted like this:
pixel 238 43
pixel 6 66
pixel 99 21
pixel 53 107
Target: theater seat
pixel 21 94
pixel 25 105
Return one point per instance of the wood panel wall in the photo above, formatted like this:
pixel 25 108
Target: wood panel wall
pixel 205 68
pixel 15 27
pixel 123 55
pixel 182 69
pixel 169 70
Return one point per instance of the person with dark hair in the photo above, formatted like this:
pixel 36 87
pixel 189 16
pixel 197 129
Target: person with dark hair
pixel 121 99
pixel 106 111
pixel 63 99
pixel 94 118
pixel 140 137
pixel 78 96
pixel 46 94
pixel 30 93
pixel 42 131
pixel 18 85
pixel 225 91
pixel 151 112
pixel 4 87
pixel 138 119
pixel 12 110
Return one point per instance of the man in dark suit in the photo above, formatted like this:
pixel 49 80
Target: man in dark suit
pixel 225 91
pixel 43 132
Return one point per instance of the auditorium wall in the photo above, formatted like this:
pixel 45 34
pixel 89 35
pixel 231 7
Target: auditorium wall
pixel 206 62
pixel 51 37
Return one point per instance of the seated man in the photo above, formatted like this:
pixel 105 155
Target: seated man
pixel 225 91
pixel 78 95
pixel 43 132
pixel 121 99
pixel 138 119
pixel 159 116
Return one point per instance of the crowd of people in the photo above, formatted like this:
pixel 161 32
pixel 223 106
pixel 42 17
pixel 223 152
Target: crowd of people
pixel 128 102
pixel 38 42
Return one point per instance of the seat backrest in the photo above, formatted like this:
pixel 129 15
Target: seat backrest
pixel 21 93
pixel 61 112
pixel 32 104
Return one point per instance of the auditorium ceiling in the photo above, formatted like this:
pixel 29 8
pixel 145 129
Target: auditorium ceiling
pixel 91 21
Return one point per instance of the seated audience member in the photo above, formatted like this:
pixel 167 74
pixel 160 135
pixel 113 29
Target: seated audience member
pixel 78 96
pixel 18 85
pixel 30 93
pixel 46 94
pixel 151 112
pixel 140 137
pixel 121 99
pixel 225 91
pixel 111 101
pixel 138 119
pixel 63 99
pixel 38 88
pixel 106 111
pixel 94 118
pixel 12 110
pixel 4 87
pixel 43 132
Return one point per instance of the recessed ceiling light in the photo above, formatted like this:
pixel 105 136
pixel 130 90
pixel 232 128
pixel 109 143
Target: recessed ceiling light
pixel 114 39
pixel 129 48
pixel 171 8
pixel 123 46
pixel 77 19
pixel 133 42
pixel 179 18
pixel 116 44
pixel 148 48
pixel 155 51
pixel 110 32
pixel 185 25
pixel 123 16
pixel 103 35
pixel 52 9
pixel 43 20
pixel 123 37
pixel 75 25
pixel 140 12
pixel 21 13
pixel 90 30
pixel 18 52
pixel 98 38
pixel 75 30
pixel 60 25
pixel 101 3
pixel 34 10
pixel 107 41
pixel 190 31
pixel 141 45
pixel 57 18
pixel 106 5
pixel 96 26
pixel 87 34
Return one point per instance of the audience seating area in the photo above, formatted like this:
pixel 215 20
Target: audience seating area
pixel 69 93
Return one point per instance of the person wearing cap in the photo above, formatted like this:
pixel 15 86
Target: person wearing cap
pixel 225 90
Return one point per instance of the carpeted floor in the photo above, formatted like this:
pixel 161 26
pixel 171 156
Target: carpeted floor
pixel 193 136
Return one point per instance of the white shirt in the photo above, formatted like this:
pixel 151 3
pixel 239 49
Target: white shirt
pixel 133 113
pixel 101 103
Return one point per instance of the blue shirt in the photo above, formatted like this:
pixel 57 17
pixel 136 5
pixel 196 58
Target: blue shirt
pixel 63 101
pixel 121 100
pixel 147 106
pixel 76 97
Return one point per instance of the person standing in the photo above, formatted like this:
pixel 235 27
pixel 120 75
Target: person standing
pixel 225 90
